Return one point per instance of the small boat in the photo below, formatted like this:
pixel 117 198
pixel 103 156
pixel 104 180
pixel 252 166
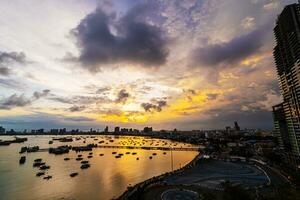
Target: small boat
pixel 127 152
pixel 78 159
pixel 38 160
pixel 118 156
pixel 50 142
pixel 150 157
pixel 137 158
pixel 44 167
pixel 91 153
pixel 74 174
pixel 23 149
pixel 47 177
pixel 66 159
pixel 40 174
pixel 101 154
pixel 85 166
pixel 79 156
pixel 164 153
pixel 22 160
pixel 90 156
pixel 38 164
pixel 84 162
pixel 134 153
pixel 114 152
pixel 154 154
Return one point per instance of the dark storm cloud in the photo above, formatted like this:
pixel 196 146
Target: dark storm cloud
pixel 122 97
pixel 155 105
pixel 15 100
pixel 134 40
pixel 232 51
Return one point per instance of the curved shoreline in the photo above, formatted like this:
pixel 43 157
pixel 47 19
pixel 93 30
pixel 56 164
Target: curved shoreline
pixel 132 190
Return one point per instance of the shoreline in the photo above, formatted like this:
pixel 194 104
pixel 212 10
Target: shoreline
pixel 130 191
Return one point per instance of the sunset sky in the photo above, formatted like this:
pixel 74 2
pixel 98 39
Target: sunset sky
pixel 185 64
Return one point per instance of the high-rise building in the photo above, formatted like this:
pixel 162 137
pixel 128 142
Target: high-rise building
pixel 287 59
pixel 236 126
pixel 281 129
pixel 2 130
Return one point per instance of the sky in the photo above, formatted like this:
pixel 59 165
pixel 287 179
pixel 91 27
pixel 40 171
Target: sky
pixel 185 64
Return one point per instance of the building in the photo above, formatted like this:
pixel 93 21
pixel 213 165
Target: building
pixel 106 129
pixel 117 129
pixel 281 129
pixel 148 130
pixel 2 130
pixel 287 59
pixel 236 126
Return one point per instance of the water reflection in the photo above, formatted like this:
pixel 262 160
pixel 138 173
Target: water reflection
pixel 107 177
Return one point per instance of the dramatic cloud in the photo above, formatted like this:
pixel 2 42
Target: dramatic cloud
pixel 10 83
pixel 12 56
pixel 7 58
pixel 38 95
pixel 130 39
pixel 21 100
pixel 155 105
pixel 4 71
pixel 81 100
pixel 123 95
pixel 77 108
pixel 14 101
pixel 229 52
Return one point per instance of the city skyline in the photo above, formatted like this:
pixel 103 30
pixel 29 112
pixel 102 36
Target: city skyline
pixel 181 64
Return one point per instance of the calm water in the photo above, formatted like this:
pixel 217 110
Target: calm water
pixel 107 177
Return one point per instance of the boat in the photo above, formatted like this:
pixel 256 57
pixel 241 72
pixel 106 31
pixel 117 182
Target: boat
pixel 114 152
pixel 74 174
pixel 90 156
pixel 44 167
pixel 40 174
pixel 150 157
pixel 85 166
pixel 23 150
pixel 59 150
pixel 78 159
pixel 154 154
pixel 50 142
pixel 47 177
pixel 66 159
pixel 137 158
pixel 84 162
pixel 38 160
pixel 38 164
pixel 101 154
pixel 134 153
pixel 22 160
